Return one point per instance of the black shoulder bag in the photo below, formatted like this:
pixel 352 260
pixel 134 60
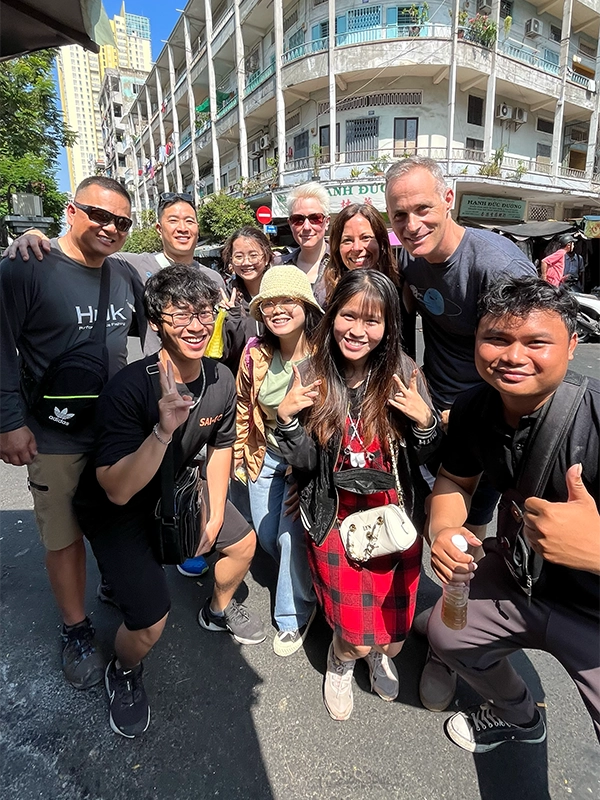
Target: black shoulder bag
pixel 548 435
pixel 178 518
pixel 65 396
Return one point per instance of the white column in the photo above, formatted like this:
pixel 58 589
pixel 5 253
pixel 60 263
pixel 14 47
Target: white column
pixel 452 81
pixel 490 95
pixel 161 125
pixel 212 93
pixel 279 98
pixel 332 91
pixel 559 114
pixel 175 118
pixel 241 85
pixel 594 122
pixel 191 103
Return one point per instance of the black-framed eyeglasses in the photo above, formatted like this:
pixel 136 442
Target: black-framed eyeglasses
pixel 103 217
pixel 168 198
pixel 299 219
pixel 181 319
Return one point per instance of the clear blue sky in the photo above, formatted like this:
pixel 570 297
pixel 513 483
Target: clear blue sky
pixel 163 17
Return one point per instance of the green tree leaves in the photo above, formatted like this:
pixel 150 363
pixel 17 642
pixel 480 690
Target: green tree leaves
pixel 222 214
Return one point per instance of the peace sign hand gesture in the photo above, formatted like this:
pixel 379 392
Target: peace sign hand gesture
pixel 227 302
pixel 408 400
pixel 298 398
pixel 173 408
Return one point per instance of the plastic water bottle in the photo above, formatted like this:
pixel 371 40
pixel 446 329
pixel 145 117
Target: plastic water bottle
pixel 456 595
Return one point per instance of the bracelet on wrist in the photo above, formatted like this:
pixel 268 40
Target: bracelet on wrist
pixel 424 432
pixel 159 437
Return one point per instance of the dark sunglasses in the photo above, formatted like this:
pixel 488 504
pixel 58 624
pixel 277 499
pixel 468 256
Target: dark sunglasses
pixel 314 219
pixel 103 217
pixel 167 198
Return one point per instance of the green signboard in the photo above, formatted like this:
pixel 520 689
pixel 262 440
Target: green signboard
pixel 477 206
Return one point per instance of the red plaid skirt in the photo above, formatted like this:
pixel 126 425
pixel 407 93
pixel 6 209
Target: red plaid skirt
pixel 372 603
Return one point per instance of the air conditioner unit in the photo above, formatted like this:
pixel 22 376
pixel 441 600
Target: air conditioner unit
pixel 255 147
pixel 533 27
pixel 265 142
pixel 484 7
pixel 519 115
pixel 503 111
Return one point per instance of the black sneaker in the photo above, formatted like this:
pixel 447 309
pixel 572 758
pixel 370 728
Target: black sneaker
pixel 129 709
pixel 82 662
pixel 236 619
pixel 480 729
pixel 105 593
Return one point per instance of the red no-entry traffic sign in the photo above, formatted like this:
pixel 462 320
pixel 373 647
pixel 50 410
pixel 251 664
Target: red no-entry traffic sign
pixel 264 215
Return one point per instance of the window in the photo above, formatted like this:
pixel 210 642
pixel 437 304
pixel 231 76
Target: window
pixel 474 149
pixel 296 41
pixel 555 33
pixel 360 19
pixel 475 110
pixel 224 181
pixel 543 153
pixel 301 145
pixel 252 63
pixel 325 142
pixel 121 161
pixel 405 136
pixel 545 125
pixel 362 139
pixel 506 7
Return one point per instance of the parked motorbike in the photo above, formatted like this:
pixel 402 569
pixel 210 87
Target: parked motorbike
pixel 588 316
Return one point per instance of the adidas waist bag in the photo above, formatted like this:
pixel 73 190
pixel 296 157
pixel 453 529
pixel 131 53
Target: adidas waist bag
pixel 65 397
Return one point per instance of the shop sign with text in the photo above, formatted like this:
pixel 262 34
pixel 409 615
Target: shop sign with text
pixel 479 207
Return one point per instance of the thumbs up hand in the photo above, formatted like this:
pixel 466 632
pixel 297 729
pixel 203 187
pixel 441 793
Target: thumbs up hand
pixel 566 533
pixel 298 398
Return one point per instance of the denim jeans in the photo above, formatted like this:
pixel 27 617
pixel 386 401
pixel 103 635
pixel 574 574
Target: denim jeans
pixel 283 539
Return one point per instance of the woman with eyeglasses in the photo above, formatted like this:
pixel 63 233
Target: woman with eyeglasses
pixel 290 314
pixel 246 256
pixel 308 208
pixel 358 240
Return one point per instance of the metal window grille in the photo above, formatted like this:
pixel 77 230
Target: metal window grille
pixel 359 19
pixel 362 139
pixel 289 21
pixel 377 99
pixel 540 213
pixel 293 121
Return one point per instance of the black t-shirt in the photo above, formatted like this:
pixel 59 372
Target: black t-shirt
pixel 126 413
pixel 479 440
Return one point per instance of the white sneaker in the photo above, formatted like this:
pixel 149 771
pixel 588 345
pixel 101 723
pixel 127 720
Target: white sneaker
pixel 384 675
pixel 337 691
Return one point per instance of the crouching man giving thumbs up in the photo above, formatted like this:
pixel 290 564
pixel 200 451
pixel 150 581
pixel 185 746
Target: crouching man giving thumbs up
pixel 538 584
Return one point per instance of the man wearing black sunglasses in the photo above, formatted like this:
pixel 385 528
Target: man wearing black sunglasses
pixel 47 309
pixel 178 228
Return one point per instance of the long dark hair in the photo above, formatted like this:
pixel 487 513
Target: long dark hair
pixel 327 418
pixel 336 267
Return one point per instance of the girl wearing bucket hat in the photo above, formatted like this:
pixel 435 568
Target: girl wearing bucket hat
pixel 286 306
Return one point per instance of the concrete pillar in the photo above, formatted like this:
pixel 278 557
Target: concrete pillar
pixel 161 125
pixel 241 85
pixel 559 113
pixel 332 91
pixel 594 123
pixel 175 118
pixel 212 93
pixel 490 97
pixel 191 103
pixel 452 82
pixel 279 98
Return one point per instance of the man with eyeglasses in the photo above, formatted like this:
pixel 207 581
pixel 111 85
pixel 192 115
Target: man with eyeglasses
pixel 118 492
pixel 47 308
pixel 178 228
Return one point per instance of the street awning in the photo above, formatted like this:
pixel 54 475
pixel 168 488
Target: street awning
pixel 29 25
pixel 530 230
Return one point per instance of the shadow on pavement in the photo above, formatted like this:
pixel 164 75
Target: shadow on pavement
pixel 57 742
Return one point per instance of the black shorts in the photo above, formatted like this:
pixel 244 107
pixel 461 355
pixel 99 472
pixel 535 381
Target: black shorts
pixel 127 562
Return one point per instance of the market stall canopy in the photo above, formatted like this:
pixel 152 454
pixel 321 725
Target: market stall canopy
pixel 28 25
pixel 531 230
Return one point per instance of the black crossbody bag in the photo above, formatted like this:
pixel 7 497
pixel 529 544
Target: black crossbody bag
pixel 65 396
pixel 548 435
pixel 178 517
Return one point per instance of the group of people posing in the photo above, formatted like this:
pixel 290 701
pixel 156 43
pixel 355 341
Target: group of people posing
pixel 316 412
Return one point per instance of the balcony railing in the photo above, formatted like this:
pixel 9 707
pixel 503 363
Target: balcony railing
pixel 575 77
pixel 227 107
pixel 259 78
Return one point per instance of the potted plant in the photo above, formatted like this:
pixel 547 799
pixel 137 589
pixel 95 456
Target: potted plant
pixel 356 172
pixel 482 30
pixel 463 18
pixel 419 16
pixel 378 165
pixel 317 154
pixel 273 165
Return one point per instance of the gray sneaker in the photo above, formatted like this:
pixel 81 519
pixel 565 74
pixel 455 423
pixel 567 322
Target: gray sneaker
pixel 384 675
pixel 337 690
pixel 82 663
pixel 236 619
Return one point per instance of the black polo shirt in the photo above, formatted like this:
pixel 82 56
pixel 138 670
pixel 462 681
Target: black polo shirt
pixel 480 440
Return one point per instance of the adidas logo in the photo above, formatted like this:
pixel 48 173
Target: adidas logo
pixel 61 416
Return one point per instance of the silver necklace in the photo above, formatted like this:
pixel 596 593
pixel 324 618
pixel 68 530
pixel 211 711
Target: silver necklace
pixel 360 458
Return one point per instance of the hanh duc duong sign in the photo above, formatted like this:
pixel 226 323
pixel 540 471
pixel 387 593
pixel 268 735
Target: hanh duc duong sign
pixel 479 207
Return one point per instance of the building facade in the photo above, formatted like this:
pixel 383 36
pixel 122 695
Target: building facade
pixel 253 97
pixel 80 76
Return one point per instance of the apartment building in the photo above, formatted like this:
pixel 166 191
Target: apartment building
pixel 253 97
pixel 80 75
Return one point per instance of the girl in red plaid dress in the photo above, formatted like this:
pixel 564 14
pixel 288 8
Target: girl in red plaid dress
pixel 359 391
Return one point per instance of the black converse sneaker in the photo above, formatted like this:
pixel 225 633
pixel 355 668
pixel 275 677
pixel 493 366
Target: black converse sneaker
pixel 236 619
pixel 82 662
pixel 480 729
pixel 129 709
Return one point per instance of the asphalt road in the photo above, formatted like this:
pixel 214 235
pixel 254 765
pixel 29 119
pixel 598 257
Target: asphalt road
pixel 237 722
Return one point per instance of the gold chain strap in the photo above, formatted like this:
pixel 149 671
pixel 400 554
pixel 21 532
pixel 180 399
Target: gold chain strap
pixel 394 451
